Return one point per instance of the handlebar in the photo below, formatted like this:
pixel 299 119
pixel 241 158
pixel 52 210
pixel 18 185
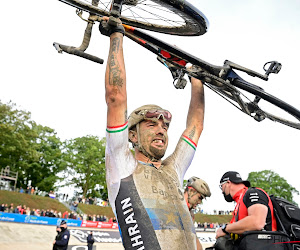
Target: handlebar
pixel 74 51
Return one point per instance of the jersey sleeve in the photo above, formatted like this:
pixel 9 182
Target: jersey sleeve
pixel 182 156
pixel 119 160
pixel 255 196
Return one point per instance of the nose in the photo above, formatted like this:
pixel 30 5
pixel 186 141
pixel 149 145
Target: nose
pixel 161 127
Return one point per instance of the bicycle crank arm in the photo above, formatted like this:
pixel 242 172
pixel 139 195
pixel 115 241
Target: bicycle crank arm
pixel 74 51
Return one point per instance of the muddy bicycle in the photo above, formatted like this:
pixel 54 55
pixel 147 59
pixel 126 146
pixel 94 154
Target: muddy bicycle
pixel 176 17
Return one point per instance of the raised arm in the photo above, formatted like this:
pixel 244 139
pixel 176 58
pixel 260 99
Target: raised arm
pixel 195 118
pixel 115 82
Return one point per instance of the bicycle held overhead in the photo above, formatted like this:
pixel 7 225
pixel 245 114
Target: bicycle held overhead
pixel 182 18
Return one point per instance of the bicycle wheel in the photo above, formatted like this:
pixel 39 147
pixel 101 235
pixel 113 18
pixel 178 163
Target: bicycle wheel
pixel 257 103
pixel 268 106
pixel 173 17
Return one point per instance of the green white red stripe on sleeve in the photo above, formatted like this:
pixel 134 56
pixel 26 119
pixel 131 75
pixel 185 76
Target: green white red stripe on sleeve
pixel 189 141
pixel 116 129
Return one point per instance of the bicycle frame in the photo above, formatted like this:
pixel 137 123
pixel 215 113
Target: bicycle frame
pixel 221 79
pixel 221 74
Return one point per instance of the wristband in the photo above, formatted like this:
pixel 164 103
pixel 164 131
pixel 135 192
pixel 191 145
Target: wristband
pixel 224 229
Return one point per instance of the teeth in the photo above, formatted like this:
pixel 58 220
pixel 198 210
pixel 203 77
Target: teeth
pixel 159 141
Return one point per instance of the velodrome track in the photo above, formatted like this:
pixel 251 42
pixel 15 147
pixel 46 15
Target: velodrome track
pixel 22 236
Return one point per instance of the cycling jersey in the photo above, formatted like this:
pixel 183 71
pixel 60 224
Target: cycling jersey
pixel 148 201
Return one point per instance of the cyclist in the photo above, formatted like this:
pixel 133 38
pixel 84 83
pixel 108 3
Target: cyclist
pixel 144 190
pixel 196 190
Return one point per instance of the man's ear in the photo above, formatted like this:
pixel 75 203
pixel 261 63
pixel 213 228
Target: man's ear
pixel 133 136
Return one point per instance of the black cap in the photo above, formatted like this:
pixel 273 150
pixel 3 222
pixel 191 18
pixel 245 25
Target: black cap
pixel 63 222
pixel 234 177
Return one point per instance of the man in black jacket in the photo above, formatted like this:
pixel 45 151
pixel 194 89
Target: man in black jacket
pixel 62 239
pixel 90 241
pixel 58 230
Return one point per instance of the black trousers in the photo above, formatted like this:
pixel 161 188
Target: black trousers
pixel 90 246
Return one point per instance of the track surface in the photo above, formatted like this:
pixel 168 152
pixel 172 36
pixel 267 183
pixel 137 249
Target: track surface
pixel 21 236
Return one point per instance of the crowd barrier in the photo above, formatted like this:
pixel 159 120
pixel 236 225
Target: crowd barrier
pixel 21 218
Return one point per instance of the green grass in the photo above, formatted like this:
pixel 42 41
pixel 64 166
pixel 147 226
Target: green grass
pixel 97 210
pixel 212 218
pixel 32 201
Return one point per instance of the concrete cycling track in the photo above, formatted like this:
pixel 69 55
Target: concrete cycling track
pixel 22 236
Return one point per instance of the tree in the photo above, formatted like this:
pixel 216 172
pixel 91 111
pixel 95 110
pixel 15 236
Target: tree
pixel 30 149
pixel 43 171
pixel 272 183
pixel 15 133
pixel 85 159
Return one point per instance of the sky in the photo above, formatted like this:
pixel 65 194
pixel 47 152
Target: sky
pixel 66 93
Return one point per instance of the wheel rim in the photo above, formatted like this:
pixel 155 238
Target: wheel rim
pixel 155 15
pixel 262 108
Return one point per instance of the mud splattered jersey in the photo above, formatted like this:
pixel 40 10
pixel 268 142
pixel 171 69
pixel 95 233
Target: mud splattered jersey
pixel 149 202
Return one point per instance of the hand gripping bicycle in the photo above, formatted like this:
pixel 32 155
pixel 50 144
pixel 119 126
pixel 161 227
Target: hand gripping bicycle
pixel 181 18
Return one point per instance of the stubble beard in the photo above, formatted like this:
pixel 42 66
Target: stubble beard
pixel 156 152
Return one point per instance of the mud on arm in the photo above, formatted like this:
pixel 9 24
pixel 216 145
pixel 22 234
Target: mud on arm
pixel 115 83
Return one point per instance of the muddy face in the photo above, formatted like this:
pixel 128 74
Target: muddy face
pixel 154 137
pixel 194 199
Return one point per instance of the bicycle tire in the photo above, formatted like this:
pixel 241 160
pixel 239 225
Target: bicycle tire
pixel 191 21
pixel 272 100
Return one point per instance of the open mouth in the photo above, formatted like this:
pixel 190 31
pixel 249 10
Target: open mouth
pixel 159 142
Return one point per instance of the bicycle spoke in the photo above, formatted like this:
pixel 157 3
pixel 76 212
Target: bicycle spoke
pixel 145 11
pixel 152 16
pixel 169 17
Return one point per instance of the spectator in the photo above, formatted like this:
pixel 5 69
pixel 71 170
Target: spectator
pixel 11 208
pixel 37 212
pixel 21 190
pixel 23 209
pixel 65 215
pixel 16 210
pixel 253 207
pixel 2 208
pixel 90 240
pixel 47 213
pixel 27 212
pixel 75 205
